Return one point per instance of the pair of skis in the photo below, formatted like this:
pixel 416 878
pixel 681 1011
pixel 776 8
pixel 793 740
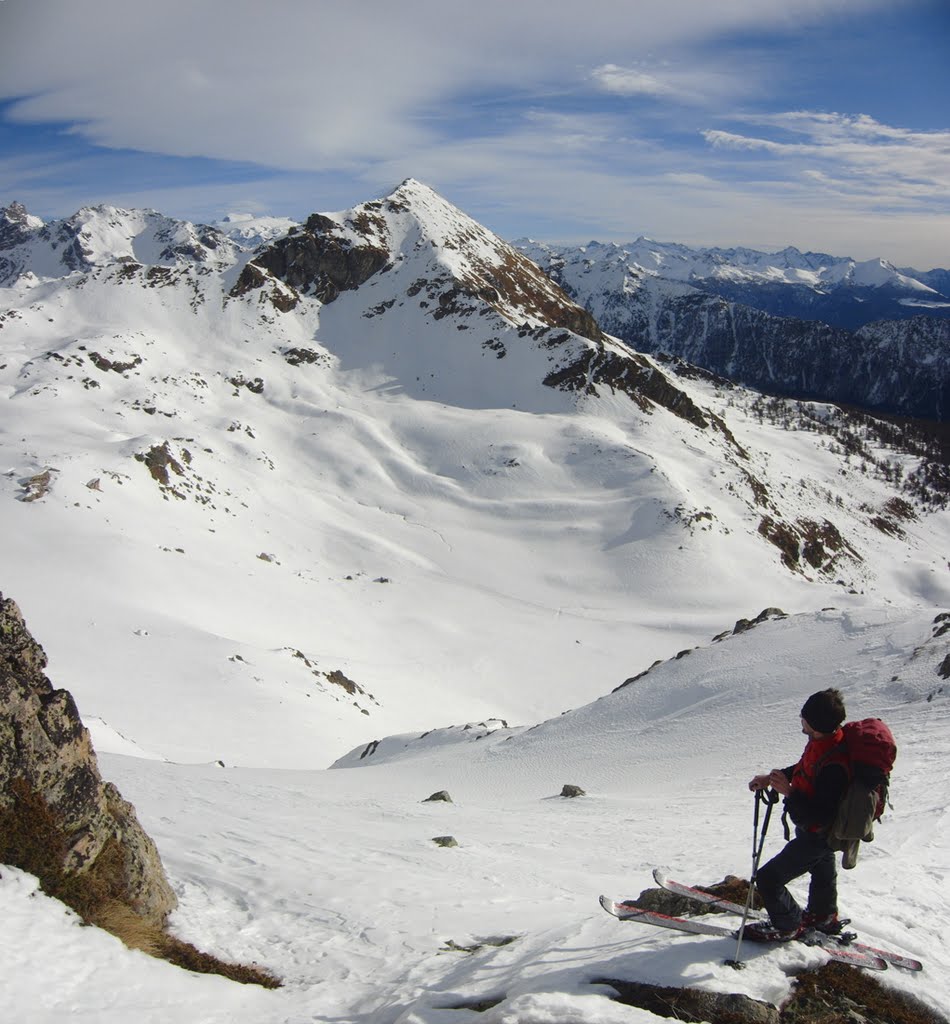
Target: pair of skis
pixel 841 947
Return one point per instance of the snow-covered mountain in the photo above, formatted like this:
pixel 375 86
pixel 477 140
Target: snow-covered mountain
pixel 251 231
pixel 937 279
pixel 731 270
pixel 103 236
pixel 307 456
pixel 266 502
pixel 772 321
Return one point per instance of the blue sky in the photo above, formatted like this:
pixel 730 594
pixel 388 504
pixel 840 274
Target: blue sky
pixel 820 123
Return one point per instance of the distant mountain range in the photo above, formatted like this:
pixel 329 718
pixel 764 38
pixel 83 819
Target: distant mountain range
pixel 789 323
pixel 837 290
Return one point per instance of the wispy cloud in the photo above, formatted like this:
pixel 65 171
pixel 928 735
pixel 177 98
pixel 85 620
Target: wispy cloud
pixel 729 140
pixel 540 117
pixel 682 79
pixel 853 154
pixel 319 84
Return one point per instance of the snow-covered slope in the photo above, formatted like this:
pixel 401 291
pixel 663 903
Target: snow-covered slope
pixel 332 879
pixel 387 465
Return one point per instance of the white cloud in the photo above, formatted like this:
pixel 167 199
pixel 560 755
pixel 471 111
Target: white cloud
pixel 629 81
pixel 683 78
pixel 845 153
pixel 692 180
pixel 729 140
pixel 318 84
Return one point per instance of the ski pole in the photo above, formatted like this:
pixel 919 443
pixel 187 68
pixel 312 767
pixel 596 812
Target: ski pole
pixel 758 844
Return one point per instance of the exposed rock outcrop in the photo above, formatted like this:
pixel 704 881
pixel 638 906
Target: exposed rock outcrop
pixel 47 761
pixel 637 377
pixel 691 1003
pixel 315 259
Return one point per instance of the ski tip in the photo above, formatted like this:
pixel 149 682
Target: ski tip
pixel 613 907
pixel 660 876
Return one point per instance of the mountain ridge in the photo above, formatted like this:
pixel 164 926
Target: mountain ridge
pixel 774 321
pixel 712 267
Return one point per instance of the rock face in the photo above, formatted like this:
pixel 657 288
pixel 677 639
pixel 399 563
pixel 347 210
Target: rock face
pixel 899 367
pixel 317 258
pixel 46 752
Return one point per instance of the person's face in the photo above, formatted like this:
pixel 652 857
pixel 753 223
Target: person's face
pixel 809 731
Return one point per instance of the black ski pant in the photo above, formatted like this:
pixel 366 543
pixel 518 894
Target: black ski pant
pixel 808 853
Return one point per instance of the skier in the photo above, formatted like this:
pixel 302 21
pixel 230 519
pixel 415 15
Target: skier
pixel 813 788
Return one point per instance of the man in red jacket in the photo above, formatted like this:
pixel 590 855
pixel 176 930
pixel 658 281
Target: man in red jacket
pixel 813 788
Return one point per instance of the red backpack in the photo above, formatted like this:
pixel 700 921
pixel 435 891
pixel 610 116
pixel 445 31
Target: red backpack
pixel 868 752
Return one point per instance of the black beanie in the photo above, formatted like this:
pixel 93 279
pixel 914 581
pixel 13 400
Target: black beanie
pixel 824 710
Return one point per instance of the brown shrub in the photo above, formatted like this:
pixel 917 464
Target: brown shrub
pixel 837 992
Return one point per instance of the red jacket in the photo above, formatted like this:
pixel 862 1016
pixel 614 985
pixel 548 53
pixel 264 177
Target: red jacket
pixel 818 783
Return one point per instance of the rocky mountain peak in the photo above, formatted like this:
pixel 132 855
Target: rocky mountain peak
pixel 16 225
pixel 425 243
pixel 107 234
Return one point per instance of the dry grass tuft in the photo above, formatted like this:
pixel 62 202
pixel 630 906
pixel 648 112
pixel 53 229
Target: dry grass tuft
pixel 837 992
pixel 833 994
